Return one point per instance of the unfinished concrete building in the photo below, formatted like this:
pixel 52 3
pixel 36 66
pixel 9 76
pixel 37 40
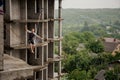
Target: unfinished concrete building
pixel 16 60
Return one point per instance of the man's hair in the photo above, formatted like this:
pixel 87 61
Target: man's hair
pixel 32 28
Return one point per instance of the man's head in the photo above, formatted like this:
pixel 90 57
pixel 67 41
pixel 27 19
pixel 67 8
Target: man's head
pixel 33 30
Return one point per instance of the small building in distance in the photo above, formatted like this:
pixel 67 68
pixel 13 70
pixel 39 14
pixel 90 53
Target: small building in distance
pixel 111 45
pixel 100 75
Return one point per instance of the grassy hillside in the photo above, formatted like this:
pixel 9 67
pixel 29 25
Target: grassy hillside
pixel 74 19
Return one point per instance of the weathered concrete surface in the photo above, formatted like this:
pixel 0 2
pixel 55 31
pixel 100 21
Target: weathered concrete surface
pixel 13 63
pixel 1 42
pixel 51 35
pixel 15 69
pixel 18 13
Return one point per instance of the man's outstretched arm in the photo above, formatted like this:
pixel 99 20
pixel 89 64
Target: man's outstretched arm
pixel 38 36
pixel 27 29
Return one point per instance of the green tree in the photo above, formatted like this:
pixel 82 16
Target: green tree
pixel 77 75
pixel 113 74
pixel 70 44
pixel 72 40
pixel 87 37
pixel 117 22
pixel 95 46
pixel 79 61
pixel 85 27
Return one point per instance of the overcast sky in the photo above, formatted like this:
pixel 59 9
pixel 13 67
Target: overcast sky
pixel 91 3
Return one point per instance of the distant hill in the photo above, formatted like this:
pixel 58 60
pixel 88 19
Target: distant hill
pixel 75 18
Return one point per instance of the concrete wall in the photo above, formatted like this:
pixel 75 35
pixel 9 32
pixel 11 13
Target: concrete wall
pixel 15 10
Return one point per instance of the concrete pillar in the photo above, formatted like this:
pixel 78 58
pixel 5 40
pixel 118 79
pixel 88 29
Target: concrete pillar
pixel 51 70
pixel 23 13
pixel 45 73
pixel 59 69
pixel 41 33
pixel 51 35
pixel 60 25
pixel 7 18
pixel 45 76
pixel 59 35
pixel 39 75
pixel 46 29
pixel 1 42
pixel 51 28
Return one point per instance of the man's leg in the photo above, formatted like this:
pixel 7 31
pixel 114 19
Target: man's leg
pixel 31 47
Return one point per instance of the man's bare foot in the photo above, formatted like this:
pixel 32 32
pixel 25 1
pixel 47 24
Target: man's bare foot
pixel 32 51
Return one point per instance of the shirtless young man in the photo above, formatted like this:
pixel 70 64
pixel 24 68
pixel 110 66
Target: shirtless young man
pixel 31 38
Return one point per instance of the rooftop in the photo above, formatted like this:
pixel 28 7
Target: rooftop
pixel 111 40
pixel 100 75
pixel 110 44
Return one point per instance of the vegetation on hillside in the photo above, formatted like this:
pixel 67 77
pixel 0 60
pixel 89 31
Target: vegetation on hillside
pixel 82 47
pixel 102 22
pixel 84 64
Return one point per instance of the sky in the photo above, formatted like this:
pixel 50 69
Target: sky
pixel 91 4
